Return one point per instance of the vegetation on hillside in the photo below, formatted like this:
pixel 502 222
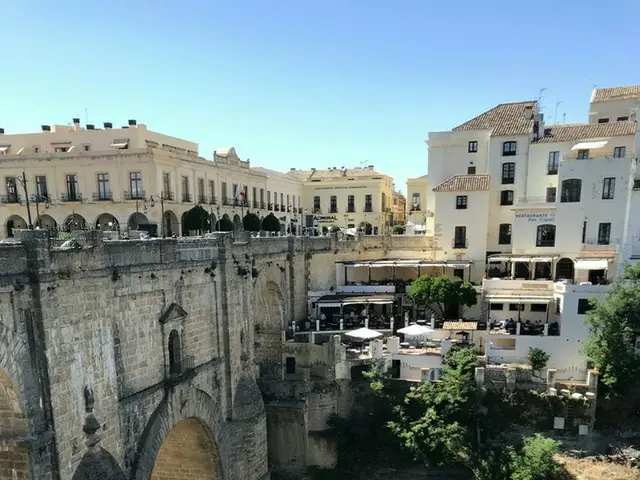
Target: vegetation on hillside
pixel 448 296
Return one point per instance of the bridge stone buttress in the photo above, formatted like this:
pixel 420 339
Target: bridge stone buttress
pixel 134 359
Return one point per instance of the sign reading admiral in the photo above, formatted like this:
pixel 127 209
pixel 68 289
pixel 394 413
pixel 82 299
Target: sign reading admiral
pixel 547 217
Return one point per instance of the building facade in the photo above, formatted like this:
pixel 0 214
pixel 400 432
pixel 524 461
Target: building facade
pixel 284 199
pixel 126 178
pixel 398 209
pixel 349 198
pixel 528 200
pixel 419 214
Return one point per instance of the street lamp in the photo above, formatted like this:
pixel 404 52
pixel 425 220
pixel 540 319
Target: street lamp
pixel 152 199
pixel 23 182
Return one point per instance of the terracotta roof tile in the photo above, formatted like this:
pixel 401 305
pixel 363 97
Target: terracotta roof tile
pixel 615 93
pixel 504 119
pixel 464 183
pixel 584 131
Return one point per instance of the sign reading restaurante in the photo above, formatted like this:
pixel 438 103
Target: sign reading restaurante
pixel 537 217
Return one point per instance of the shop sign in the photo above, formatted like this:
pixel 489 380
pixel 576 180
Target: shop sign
pixel 544 217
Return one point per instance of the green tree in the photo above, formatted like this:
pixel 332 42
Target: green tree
pixel 433 421
pixel 196 219
pixel 537 359
pixel 535 461
pixel 251 222
pixel 224 225
pixel 398 229
pixel 271 223
pixel 334 229
pixel 613 326
pixel 441 293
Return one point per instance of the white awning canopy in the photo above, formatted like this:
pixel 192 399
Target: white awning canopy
pixel 589 145
pixel 121 143
pixel 409 264
pixel 364 334
pixel 505 258
pixel 517 299
pixel 4 148
pixel 596 264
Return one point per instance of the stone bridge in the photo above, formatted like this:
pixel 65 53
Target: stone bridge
pixel 139 359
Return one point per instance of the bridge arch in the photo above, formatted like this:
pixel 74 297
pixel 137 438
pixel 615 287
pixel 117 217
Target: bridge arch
pixel 269 322
pixel 184 430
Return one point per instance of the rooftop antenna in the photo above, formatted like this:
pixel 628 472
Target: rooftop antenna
pixel 555 114
pixel 86 116
pixel 564 116
pixel 540 97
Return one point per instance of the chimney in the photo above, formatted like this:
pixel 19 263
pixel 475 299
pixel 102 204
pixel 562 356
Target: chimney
pixel 124 126
pixel 76 121
pixel 108 125
pixel 132 123
pixel 1 131
pixel 371 167
pixel 46 128
pixel 90 127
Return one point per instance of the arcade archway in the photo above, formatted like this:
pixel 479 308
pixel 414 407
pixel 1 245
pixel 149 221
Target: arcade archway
pixel 188 451
pixel 14 222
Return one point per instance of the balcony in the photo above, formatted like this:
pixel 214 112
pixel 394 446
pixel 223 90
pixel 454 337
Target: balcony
pixel 227 201
pixel 187 198
pixel 135 195
pixel 102 197
pixel 459 243
pixel 71 197
pixel 289 209
pixel 317 210
pixel 255 204
pixel 12 198
pixel 213 200
pixel 600 156
pixel 277 207
pixel 41 198
pixel 263 206
pixel 202 199
pixel 170 196
pixel 600 245
pixel 282 207
pixel 368 209
pixel 535 202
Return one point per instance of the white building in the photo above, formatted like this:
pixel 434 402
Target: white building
pixel 284 193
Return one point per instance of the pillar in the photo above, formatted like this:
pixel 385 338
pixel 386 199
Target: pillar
pixel 546 330
pixel 391 325
pixel 479 376
pixel 518 327
pixel 551 377
pixel 342 324
pixel 592 380
pixel 317 325
pixel 393 344
pixel 366 322
pixel 432 324
pixel 376 349
pixel 424 374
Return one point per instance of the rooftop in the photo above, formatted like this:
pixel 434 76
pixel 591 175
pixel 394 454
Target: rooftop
pixel 583 131
pixel 504 119
pixel 615 93
pixel 464 183
pixel 307 175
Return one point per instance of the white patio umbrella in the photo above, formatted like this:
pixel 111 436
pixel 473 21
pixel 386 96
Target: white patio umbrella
pixel 415 330
pixel 363 334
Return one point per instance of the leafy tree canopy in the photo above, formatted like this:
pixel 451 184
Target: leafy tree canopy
pixel 271 223
pixel 196 218
pixel 398 229
pixel 537 359
pixel 535 460
pixel 613 326
pixel 251 222
pixel 225 225
pixel 442 292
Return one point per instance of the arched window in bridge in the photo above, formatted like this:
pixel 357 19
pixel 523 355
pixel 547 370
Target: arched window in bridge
pixel 175 355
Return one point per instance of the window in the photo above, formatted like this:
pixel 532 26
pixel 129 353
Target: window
pixel 383 202
pixel 262 196
pixel 496 306
pixel 473 146
pixel 351 204
pixel 291 365
pixel 622 119
pixel 460 237
pixel 571 190
pixel 269 196
pixel 212 191
pixel 553 162
pixel 316 204
pixel 504 234
pixel 72 188
pixel 135 184
pixel 603 120
pixel 293 198
pixel 282 199
pixel 86 147
pixel 61 149
pixel 185 189
pixel 36 149
pixel 514 307
pixel 201 195
pixel 584 305
pixel 166 184
pixel 333 204
pixel 368 204
pixel 546 236
pixel 604 233
pixel 225 193
pixel 175 357
pixel 415 201
pixel 509 149
pixel 619 152
pixel 508 172
pixel 104 191
pixel 584 231
pixel 583 154
pixel 41 188
pixel 551 195
pixel 506 197
pixel 461 202
pixel 234 191
pixel 636 184
pixel 608 188
pixel 12 190
pixel 471 170
pixel 538 307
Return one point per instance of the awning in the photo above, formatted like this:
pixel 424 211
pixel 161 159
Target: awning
pixel 409 263
pixel 598 264
pixel 589 145
pixel 508 258
pixel 122 143
pixel 517 299
pixel 4 148
pixel 338 300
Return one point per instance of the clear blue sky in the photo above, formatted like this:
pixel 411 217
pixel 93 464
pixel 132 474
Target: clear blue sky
pixel 302 83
